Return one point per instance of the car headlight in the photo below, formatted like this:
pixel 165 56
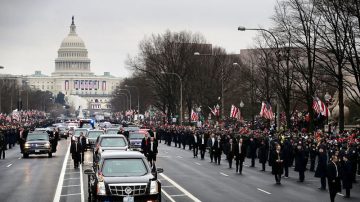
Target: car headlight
pixel 154 188
pixel 47 145
pixel 101 188
pixel 27 145
pixel 87 141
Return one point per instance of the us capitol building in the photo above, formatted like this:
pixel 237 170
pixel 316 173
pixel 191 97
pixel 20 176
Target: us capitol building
pixel 74 78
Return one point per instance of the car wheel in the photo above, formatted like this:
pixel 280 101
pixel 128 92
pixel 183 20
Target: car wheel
pixel 50 155
pixel 25 155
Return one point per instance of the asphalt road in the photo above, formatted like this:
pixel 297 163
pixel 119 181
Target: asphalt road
pixel 209 182
pixel 184 179
pixel 31 179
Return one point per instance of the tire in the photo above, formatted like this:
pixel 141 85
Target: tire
pixel 25 155
pixel 50 155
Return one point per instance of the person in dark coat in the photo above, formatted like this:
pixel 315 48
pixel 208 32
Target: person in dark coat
pixel 2 145
pixel 287 151
pixel 195 144
pixel 152 150
pixel 211 145
pixel 313 154
pixel 333 177
pixel 230 148
pixel 202 146
pixel 277 164
pixel 300 162
pixel 320 171
pixel 75 150
pixel 218 149
pixel 240 154
pixel 346 175
pixel 263 154
pixel 353 158
pixel 144 144
pixel 252 151
pixel 82 140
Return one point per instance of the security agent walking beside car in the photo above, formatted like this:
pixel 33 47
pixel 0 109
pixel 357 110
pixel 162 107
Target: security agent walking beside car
pixel 333 176
pixel 82 140
pixel 152 151
pixel 75 150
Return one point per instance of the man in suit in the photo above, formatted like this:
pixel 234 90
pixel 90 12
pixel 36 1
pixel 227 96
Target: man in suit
pixel 218 149
pixel 211 145
pixel 240 153
pixel 152 151
pixel 144 144
pixel 82 140
pixel 75 150
pixel 300 161
pixel 2 144
pixel 230 150
pixel 333 177
pixel 202 145
pixel 195 143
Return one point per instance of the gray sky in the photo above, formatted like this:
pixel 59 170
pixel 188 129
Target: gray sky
pixel 31 30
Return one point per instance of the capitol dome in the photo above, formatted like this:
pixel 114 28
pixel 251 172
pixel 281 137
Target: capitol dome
pixel 72 55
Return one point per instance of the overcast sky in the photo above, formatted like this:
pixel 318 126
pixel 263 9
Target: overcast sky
pixel 31 30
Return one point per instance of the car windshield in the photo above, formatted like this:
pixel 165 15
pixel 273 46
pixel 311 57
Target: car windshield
pixel 94 134
pixel 132 128
pixel 136 135
pixel 112 131
pixel 77 132
pixel 124 167
pixel 113 142
pixel 32 137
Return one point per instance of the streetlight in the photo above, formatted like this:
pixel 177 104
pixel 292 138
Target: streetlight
pixel 242 28
pixel 327 98
pixel 138 96
pixel 127 90
pixel 222 84
pixel 126 100
pixel 181 94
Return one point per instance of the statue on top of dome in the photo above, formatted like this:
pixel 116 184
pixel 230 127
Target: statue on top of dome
pixel 72 23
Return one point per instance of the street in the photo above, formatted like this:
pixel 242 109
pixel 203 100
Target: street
pixel 184 179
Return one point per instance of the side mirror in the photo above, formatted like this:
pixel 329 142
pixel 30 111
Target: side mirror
pixel 89 172
pixel 159 170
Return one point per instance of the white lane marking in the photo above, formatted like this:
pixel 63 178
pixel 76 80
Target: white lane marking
pixel 246 165
pixel 164 156
pixel 9 165
pixel 179 157
pixel 61 178
pixel 82 185
pixel 71 173
pixel 197 163
pixel 19 157
pixel 175 195
pixel 224 174
pixel 167 186
pixel 263 191
pixel 179 187
pixel 340 194
pixel 72 178
pixel 71 194
pixel 167 195
pixel 75 185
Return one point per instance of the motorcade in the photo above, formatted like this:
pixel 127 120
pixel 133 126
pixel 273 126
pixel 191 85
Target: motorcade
pixel 87 123
pixel 135 138
pixel 63 132
pixel 77 132
pixel 123 176
pixel 37 142
pixel 91 137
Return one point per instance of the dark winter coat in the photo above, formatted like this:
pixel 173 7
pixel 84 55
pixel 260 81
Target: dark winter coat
pixel 263 153
pixel 300 160
pixel 346 174
pixel 321 166
pixel 277 166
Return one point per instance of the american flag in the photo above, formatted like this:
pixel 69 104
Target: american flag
pixel 320 107
pixel 194 116
pixel 266 111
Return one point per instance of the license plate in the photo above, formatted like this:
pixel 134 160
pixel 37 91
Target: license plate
pixel 37 151
pixel 128 199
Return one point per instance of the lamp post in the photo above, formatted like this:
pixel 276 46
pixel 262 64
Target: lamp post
pixel 126 100
pixel 241 28
pixel 327 98
pixel 127 90
pixel 138 96
pixel 181 94
pixel 222 85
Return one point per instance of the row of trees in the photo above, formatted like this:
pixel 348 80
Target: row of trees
pixel 22 97
pixel 312 50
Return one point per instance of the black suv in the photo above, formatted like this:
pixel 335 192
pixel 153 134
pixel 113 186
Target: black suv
pixel 37 143
pixel 123 176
